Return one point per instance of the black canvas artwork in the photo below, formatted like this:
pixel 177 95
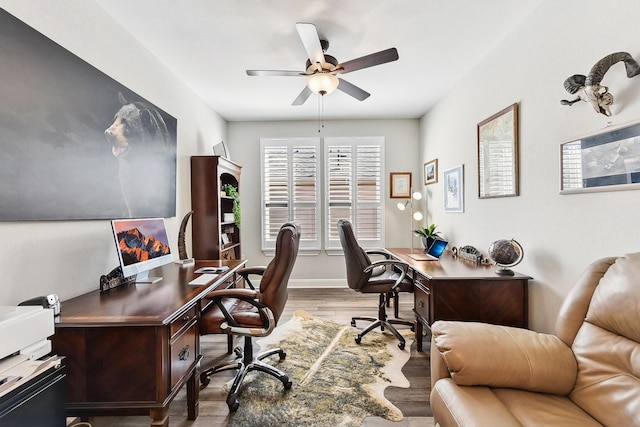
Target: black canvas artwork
pixel 76 144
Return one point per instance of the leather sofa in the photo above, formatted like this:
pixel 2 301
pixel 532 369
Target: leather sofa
pixel 585 375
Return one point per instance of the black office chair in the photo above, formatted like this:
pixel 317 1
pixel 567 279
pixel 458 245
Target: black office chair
pixel 252 312
pixel 361 278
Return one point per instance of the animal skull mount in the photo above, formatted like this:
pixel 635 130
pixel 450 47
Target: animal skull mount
pixel 589 88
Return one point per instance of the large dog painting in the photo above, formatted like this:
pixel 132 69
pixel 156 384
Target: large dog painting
pixel 75 143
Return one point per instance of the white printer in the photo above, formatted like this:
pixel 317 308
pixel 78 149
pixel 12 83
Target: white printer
pixel 23 343
pixel 25 330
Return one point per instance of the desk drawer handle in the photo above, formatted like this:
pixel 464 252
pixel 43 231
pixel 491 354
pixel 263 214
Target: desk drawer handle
pixel 186 318
pixel 184 353
pixel 420 303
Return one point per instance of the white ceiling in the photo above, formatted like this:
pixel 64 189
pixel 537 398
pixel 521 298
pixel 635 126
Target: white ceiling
pixel 210 43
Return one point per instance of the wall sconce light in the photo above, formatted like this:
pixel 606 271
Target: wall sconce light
pixel 415 214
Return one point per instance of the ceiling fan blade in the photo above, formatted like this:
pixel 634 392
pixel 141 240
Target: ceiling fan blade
pixel 311 41
pixel 306 92
pixel 352 90
pixel 274 73
pixel 377 58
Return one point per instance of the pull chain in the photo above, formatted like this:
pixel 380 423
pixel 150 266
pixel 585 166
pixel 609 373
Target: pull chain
pixel 321 112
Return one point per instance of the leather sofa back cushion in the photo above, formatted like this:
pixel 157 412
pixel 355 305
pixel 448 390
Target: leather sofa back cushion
pixel 607 347
pixel 523 359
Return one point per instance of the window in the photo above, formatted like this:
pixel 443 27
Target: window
pixel 291 189
pixel 354 189
pixel 292 185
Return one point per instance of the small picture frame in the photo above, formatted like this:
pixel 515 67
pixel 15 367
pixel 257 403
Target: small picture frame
pixel 221 150
pixel 224 238
pixel 431 172
pixel 400 185
pixel 454 189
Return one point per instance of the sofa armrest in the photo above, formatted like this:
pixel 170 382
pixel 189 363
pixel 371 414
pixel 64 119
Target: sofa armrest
pixel 502 356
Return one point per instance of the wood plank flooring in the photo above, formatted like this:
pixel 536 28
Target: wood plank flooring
pixel 338 305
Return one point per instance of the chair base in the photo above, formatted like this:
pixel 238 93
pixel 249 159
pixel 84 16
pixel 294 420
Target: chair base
pixel 382 322
pixel 245 363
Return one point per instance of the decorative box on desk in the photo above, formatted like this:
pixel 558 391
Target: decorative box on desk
pixel 456 289
pixel 129 350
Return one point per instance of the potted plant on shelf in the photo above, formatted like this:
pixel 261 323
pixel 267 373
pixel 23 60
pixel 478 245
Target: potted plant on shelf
pixel 428 234
pixel 232 192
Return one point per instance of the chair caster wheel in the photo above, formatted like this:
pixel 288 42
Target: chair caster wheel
pixel 288 385
pixel 283 355
pixel 232 403
pixel 353 323
pixel 401 346
pixel 204 380
pixel 358 339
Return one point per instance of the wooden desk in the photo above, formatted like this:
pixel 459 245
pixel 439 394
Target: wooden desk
pixel 129 350
pixel 456 289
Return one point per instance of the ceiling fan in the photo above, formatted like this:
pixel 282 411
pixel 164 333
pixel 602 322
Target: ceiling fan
pixel 322 70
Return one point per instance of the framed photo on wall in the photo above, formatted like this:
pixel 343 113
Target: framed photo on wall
pixel 431 172
pixel 400 185
pixel 606 161
pixel 498 154
pixel 454 189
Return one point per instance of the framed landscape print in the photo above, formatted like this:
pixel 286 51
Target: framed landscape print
pixel 606 161
pixel 431 172
pixel 454 189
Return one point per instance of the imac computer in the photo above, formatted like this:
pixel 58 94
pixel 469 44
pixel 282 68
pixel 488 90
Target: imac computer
pixel 142 245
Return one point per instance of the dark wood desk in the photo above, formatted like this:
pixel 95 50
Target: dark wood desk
pixel 129 350
pixel 456 289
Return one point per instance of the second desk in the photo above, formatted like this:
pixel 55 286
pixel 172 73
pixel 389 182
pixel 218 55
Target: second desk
pixel 456 289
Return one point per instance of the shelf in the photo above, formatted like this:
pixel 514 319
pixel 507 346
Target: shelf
pixel 229 246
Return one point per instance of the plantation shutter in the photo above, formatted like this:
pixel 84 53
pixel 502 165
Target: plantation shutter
pixel 354 189
pixel 290 171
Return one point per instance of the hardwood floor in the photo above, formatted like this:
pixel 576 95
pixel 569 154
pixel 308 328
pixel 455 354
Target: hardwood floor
pixel 338 305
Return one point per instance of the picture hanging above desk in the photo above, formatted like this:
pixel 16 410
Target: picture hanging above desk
pixel 76 143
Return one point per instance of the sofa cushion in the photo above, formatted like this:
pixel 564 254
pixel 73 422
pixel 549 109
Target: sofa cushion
pixel 502 356
pixel 484 406
pixel 607 347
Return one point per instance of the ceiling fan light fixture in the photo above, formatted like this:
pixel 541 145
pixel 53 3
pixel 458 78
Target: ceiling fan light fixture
pixel 322 83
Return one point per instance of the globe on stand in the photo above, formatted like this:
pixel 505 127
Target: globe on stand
pixel 506 253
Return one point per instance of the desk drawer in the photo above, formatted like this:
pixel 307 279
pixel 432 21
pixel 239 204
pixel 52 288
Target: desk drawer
pixel 178 324
pixel 183 354
pixel 422 300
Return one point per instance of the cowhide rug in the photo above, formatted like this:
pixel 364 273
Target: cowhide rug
pixel 336 382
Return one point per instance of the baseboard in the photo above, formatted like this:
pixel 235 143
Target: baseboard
pixel 318 283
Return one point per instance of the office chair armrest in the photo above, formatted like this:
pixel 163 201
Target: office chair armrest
pixel 238 293
pixel 382 252
pixel 247 295
pixel 401 265
pixel 248 271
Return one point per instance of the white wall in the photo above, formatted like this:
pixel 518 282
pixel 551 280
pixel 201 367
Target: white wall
pixel 401 146
pixel 561 234
pixel 68 257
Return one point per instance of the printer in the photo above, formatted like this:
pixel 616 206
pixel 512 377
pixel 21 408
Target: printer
pixel 24 330
pixel 32 381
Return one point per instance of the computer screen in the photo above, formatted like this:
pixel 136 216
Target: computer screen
pixel 437 248
pixel 142 245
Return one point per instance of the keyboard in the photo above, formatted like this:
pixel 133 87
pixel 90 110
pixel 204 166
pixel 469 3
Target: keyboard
pixel 203 279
